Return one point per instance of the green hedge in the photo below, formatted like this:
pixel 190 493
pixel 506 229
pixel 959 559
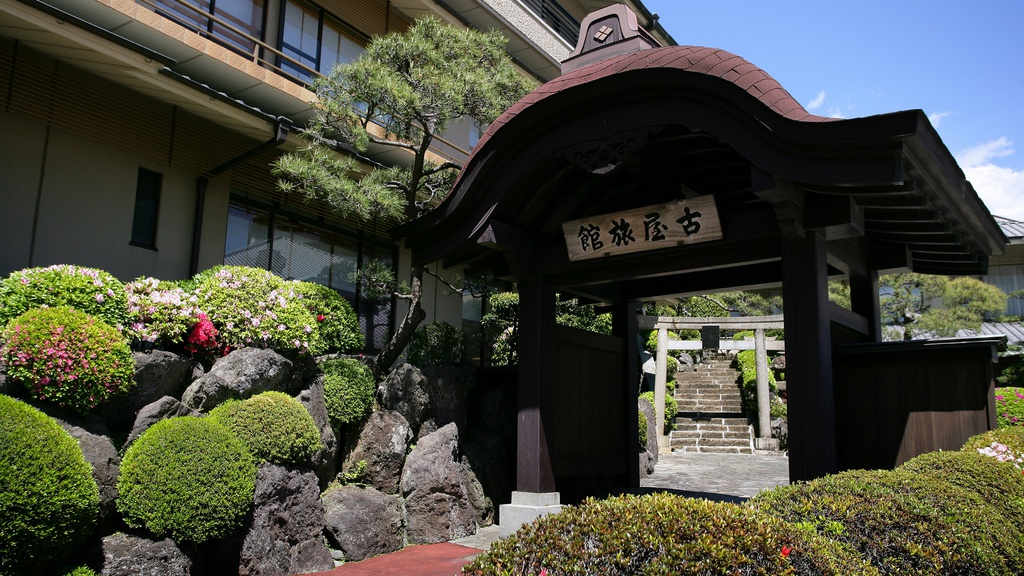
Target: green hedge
pixel 349 388
pixel 89 290
pixel 1012 437
pixel 336 321
pixel 274 426
pixel 663 534
pixel 188 478
pixel 902 522
pixel 436 343
pixel 48 498
pixel 67 357
pixel 671 409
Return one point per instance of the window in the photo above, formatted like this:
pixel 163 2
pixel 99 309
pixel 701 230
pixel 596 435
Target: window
pixel 296 250
pixel 235 23
pixel 147 208
pixel 314 39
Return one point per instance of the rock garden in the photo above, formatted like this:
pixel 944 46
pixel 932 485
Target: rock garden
pixel 221 425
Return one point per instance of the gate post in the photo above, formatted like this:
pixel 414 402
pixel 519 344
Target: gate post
pixel 660 378
pixel 764 418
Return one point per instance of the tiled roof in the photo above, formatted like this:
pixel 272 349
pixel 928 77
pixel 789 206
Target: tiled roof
pixel 1014 331
pixel 698 59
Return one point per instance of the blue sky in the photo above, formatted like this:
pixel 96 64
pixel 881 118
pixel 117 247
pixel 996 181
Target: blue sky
pixel 961 62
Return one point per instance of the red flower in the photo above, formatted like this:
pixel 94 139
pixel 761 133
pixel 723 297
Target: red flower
pixel 786 550
pixel 320 317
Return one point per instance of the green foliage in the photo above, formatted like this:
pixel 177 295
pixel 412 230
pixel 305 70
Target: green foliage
pixel 255 307
pixel 1012 375
pixel 413 85
pixel 89 290
pixel 903 522
pixel 436 343
pixel 67 357
pixel 569 312
pixel 746 361
pixel 671 409
pixel 48 498
pixel 274 427
pixel 355 475
pixel 1012 437
pixel 349 388
pixel 1010 406
pixel 999 485
pixel 188 478
pixel 81 571
pixel 160 313
pixel 662 534
pixel 641 427
pixel 937 305
pixel 839 293
pixel 500 327
pixel 336 321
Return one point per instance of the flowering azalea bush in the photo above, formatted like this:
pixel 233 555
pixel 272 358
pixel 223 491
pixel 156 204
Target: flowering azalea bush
pixel 1012 437
pixel 336 321
pixel 160 313
pixel 1010 406
pixel 67 357
pixel 255 307
pixel 90 290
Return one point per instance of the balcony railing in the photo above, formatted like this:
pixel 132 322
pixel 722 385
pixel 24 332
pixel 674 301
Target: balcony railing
pixel 552 13
pixel 236 38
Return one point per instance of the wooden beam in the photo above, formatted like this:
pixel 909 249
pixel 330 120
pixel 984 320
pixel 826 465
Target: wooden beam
pixel 836 216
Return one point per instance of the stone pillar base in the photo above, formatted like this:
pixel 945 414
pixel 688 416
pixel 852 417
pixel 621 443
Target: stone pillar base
pixel 766 443
pixel 525 508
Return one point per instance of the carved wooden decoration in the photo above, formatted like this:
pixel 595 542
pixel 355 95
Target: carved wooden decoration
pixel 649 228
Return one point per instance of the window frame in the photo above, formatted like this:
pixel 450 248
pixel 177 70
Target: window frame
pixel 146 208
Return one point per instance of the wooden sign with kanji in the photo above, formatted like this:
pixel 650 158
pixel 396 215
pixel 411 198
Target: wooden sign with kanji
pixel 649 228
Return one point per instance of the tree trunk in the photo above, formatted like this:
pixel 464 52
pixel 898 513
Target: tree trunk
pixel 401 338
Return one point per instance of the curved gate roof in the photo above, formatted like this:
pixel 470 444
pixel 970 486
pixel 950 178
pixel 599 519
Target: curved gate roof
pixel 666 123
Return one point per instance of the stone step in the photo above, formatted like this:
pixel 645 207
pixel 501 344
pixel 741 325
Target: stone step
pixel 714 450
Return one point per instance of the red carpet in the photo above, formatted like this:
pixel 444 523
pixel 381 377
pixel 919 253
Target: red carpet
pixel 445 559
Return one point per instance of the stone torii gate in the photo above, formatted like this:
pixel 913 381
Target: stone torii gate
pixel 760 346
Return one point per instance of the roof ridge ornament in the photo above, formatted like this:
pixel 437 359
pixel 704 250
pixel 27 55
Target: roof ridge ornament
pixel 608 32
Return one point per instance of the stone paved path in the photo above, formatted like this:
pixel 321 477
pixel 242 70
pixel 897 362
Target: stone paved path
pixel 726 477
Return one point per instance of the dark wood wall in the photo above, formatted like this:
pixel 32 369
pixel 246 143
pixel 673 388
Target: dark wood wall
pixel 895 401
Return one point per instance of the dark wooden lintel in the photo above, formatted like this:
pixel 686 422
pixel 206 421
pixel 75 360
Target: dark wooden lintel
pixel 836 216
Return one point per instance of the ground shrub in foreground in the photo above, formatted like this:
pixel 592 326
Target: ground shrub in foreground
pixel 663 534
pixel 254 307
pixel 89 290
pixel 901 521
pixel 189 478
pixel 336 321
pixel 48 498
pixel 67 357
pixel 274 426
pixel 348 389
pixel 1010 406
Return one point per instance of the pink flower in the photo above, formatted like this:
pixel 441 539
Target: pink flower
pixel 99 297
pixel 24 280
pixel 785 551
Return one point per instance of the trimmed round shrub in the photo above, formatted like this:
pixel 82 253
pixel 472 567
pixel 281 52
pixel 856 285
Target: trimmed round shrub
pixel 1012 437
pixel 671 408
pixel 90 290
pixel 67 357
pixel 436 343
pixel 336 321
pixel 999 486
pixel 255 307
pixel 1010 406
pixel 902 522
pixel 189 478
pixel 274 426
pixel 663 534
pixel 348 388
pixel 48 498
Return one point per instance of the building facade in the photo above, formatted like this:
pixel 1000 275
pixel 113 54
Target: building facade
pixel 139 133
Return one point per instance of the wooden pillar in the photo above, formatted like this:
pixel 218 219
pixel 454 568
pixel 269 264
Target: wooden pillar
pixel 537 362
pixel 812 424
pixel 864 301
pixel 624 325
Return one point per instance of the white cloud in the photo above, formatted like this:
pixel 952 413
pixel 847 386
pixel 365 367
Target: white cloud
pixel 937 117
pixel 817 102
pixel 836 112
pixel 1001 188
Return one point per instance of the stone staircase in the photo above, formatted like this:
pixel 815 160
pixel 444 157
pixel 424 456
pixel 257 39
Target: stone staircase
pixel 710 417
